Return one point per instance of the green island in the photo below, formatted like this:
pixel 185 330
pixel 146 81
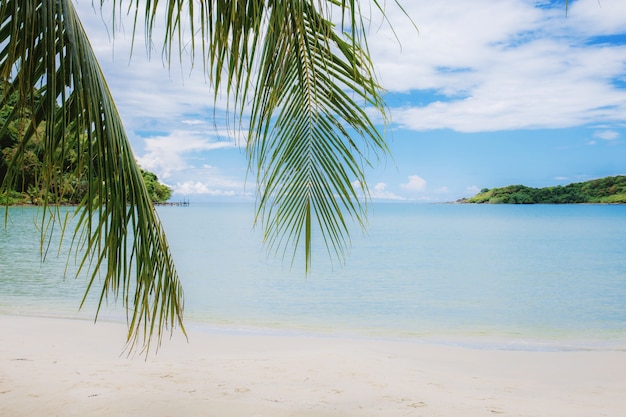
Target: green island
pixel 608 190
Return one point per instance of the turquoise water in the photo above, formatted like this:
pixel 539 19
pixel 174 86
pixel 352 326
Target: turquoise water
pixel 528 277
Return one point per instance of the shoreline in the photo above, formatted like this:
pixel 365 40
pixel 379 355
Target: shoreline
pixel 487 340
pixel 475 340
pixel 71 367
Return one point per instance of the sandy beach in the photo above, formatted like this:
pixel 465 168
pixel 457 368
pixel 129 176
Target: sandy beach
pixel 64 367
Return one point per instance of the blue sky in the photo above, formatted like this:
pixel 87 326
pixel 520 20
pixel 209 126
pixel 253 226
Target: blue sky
pixel 486 94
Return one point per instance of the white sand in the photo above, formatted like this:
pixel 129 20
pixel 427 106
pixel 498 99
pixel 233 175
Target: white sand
pixel 60 367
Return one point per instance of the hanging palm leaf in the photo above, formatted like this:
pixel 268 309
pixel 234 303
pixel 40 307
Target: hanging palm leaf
pixel 306 83
pixel 46 50
pixel 309 134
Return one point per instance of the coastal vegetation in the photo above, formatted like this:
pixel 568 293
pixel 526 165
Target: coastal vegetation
pixel 29 186
pixel 609 190
pixel 30 193
pixel 159 192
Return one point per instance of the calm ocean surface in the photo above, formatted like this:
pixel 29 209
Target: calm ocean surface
pixel 513 277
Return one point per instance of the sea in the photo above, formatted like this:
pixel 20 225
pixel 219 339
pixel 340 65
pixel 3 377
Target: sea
pixel 527 277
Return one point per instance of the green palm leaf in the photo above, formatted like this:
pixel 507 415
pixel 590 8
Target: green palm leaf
pixel 310 135
pixel 307 83
pixel 45 49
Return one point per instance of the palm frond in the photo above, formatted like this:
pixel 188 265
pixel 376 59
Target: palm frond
pixel 45 49
pixel 306 82
pixel 310 136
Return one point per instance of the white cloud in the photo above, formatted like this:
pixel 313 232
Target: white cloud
pixel 191 188
pixel 504 65
pixel 199 188
pixel 598 16
pixel 207 180
pixel 356 185
pixel 472 189
pixel 606 135
pixel 416 183
pixel 149 92
pixel 167 154
pixel 180 159
pixel 193 122
pixel 380 192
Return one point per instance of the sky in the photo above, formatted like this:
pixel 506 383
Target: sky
pixel 482 94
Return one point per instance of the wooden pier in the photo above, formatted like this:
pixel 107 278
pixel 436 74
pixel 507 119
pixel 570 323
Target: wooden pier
pixel 173 203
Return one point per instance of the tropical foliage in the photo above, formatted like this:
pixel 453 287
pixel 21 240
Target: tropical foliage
pixel 609 190
pixel 305 80
pixel 28 187
pixel 158 191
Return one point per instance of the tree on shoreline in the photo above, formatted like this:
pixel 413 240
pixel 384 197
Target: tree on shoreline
pixel 306 81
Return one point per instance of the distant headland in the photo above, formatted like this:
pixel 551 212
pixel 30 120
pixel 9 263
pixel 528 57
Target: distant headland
pixel 609 190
